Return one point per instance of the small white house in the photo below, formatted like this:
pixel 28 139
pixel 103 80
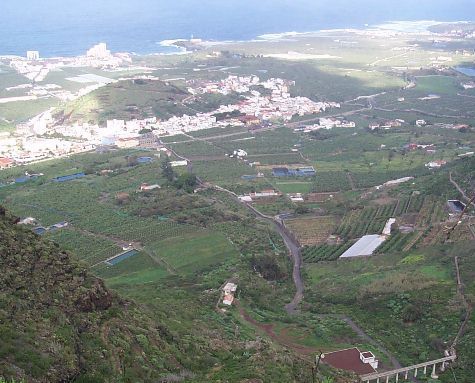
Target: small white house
pixel 229 290
pixel 146 187
pixel 387 227
pixel 368 358
pixel 27 221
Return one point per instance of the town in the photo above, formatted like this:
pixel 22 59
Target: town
pixel 52 139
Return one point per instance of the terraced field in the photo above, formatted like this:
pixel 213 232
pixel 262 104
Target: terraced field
pixel 312 231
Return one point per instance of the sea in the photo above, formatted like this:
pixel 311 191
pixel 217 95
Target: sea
pixel 70 27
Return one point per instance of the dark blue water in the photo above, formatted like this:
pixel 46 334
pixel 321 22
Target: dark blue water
pixel 69 27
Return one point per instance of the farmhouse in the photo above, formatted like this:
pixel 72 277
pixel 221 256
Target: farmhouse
pixel 352 359
pixel 229 290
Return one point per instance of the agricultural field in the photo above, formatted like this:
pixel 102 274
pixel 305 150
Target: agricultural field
pixel 312 231
pixel 370 220
pixel 325 252
pixel 189 243
pixel 385 288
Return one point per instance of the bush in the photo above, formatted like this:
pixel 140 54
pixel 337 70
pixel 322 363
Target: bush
pixel 411 313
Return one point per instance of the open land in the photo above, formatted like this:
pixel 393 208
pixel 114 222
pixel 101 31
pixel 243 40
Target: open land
pixel 403 303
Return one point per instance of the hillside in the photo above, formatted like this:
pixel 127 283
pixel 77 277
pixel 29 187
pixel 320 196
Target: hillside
pixel 58 323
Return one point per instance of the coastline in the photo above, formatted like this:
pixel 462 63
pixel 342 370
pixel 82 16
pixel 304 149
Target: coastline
pixel 170 47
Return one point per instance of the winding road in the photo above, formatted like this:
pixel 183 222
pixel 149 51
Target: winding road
pixel 290 242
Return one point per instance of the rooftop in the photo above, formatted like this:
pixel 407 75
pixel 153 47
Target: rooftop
pixel 364 246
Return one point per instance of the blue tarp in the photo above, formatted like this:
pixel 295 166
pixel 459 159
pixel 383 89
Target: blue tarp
pixel 69 177
pixel 144 160
pixel 39 230
pixel 299 172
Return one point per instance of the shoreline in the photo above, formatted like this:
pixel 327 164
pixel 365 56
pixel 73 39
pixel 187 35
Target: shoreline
pixel 401 26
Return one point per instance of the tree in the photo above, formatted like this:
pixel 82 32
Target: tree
pixel 167 169
pixel 131 160
pixel 186 182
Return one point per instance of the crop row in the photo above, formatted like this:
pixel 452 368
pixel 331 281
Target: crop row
pixel 396 242
pixel 324 252
pixel 366 221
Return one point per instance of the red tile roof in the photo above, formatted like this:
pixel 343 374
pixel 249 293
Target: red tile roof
pixel 348 360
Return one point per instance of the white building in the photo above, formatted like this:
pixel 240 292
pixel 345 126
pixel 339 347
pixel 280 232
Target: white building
pixel 387 227
pixel 229 289
pixel 32 55
pixel 368 358
pixel 99 51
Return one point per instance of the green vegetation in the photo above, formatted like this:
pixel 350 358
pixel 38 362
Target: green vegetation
pixel 156 316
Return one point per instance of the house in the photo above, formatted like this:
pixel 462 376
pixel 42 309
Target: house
pixel 249 120
pixel 124 143
pixel 435 164
pixel 5 162
pixel 265 193
pixel 27 221
pixel 147 187
pixel 240 153
pixel 148 140
pixel 296 197
pixel 229 290
pixel 178 163
pixel 388 226
pixel 352 359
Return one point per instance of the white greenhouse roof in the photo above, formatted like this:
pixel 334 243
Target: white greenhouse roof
pixel 364 246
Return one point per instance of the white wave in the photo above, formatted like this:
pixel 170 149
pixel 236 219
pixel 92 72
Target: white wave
pixel 283 35
pixel 412 26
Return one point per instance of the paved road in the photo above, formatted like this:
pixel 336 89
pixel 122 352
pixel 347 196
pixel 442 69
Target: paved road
pixel 292 246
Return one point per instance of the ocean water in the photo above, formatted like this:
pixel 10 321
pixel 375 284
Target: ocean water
pixel 70 27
